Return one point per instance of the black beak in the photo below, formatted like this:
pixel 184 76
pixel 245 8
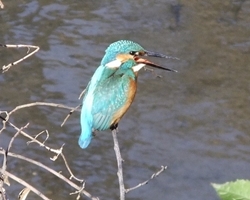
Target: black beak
pixel 158 55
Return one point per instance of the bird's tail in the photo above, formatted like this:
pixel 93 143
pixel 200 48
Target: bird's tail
pixel 85 138
pixel 86 134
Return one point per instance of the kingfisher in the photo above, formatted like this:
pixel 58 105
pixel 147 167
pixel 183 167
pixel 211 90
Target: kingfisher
pixel 112 88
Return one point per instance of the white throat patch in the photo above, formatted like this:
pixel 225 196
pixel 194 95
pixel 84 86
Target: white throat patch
pixel 114 64
pixel 117 63
pixel 136 68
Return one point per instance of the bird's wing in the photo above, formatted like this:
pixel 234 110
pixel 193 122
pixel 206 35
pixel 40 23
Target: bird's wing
pixel 109 97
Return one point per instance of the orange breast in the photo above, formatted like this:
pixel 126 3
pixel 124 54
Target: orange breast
pixel 130 97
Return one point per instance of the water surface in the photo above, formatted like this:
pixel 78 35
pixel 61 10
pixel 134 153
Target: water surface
pixel 195 121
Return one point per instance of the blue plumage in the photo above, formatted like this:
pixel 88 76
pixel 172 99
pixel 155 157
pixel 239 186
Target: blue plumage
pixel 112 88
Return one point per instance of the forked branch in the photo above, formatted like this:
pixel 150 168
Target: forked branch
pixel 5 68
pixel 119 159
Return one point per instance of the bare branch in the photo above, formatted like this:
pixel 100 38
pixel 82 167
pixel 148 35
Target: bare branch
pixel 4 119
pixel 69 170
pixel 80 189
pixel 163 168
pixel 3 177
pixel 80 96
pixel 70 113
pixel 4 167
pixel 78 192
pixel 43 104
pixel 37 135
pixel 40 104
pixel 2 193
pixel 17 179
pixel 56 151
pixel 13 138
pixel 23 194
pixel 2 170
pixel 1 4
pixel 119 164
pixel 59 175
pixel 5 68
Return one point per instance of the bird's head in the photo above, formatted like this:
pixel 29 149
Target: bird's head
pixel 130 55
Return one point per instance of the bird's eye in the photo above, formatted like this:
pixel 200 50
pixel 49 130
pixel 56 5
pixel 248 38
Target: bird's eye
pixel 136 53
pixel 132 53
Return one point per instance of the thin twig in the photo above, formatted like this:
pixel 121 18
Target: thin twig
pixel 163 168
pixel 1 4
pixel 13 138
pixel 6 181
pixel 37 135
pixel 119 164
pixel 3 177
pixel 21 181
pixel 70 113
pixel 78 192
pixel 72 109
pixel 69 170
pixel 80 96
pixel 56 151
pixel 40 104
pixel 5 68
pixel 59 175
pixel 4 119
pixel 2 170
pixel 2 194
pixel 47 104
pixel 23 193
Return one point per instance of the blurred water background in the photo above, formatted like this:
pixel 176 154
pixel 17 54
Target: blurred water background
pixel 195 121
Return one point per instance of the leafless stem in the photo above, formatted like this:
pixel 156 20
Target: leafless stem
pixel 4 119
pixel 1 4
pixel 40 104
pixel 59 175
pixel 69 170
pixel 13 138
pixel 3 177
pixel 146 182
pixel 5 68
pixel 17 179
pixel 119 164
pixel 47 104
pixel 70 113
pixel 72 109
pixel 23 193
pixel 80 96
pixel 2 194
pixel 37 135
pixel 56 151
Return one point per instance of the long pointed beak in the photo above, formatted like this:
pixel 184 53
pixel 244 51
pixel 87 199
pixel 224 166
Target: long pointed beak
pixel 153 54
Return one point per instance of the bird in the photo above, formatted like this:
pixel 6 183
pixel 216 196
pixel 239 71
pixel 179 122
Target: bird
pixel 112 87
